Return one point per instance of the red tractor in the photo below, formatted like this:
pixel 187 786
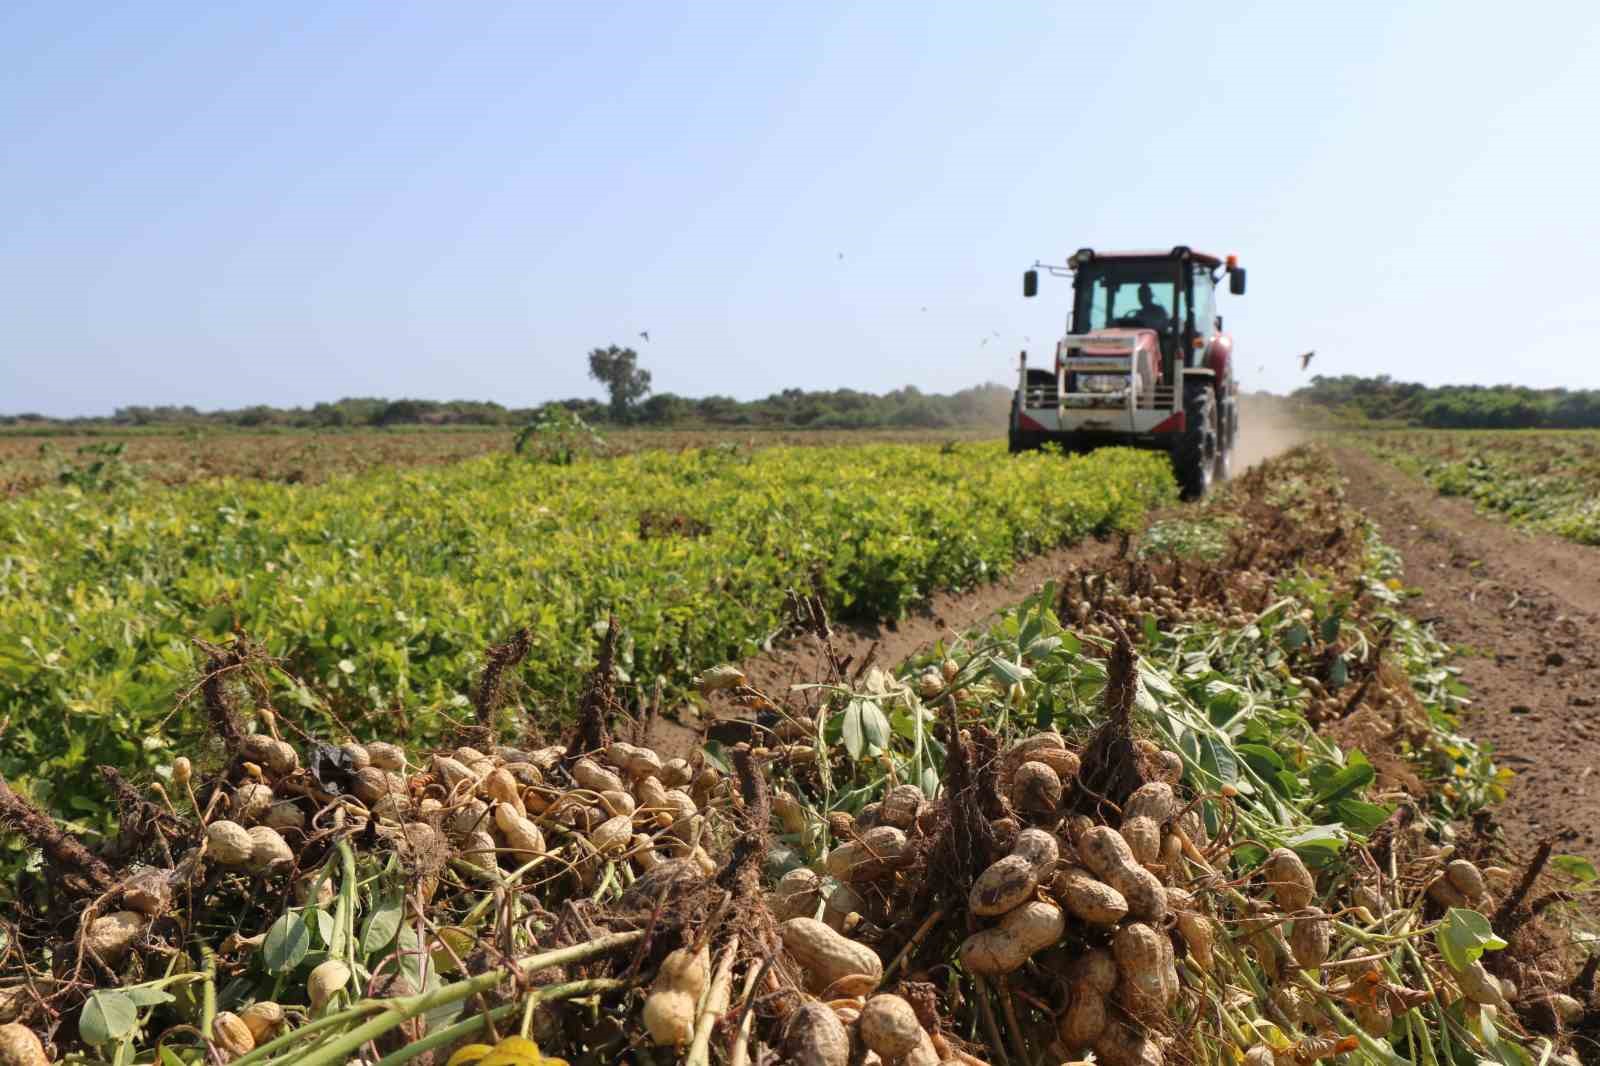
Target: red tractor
pixel 1144 363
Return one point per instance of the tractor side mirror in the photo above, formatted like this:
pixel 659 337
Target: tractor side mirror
pixel 1236 281
pixel 1030 283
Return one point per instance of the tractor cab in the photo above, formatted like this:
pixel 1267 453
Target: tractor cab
pixel 1144 360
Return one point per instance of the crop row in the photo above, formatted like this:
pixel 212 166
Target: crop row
pixel 376 594
pixel 1549 481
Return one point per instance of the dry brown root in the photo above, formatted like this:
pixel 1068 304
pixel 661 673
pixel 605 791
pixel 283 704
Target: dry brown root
pixel 82 874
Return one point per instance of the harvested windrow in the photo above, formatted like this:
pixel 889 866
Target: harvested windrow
pixel 669 1010
pixel 1087 898
pixel 814 1036
pixel 1023 931
pixel 826 955
pixel 1289 880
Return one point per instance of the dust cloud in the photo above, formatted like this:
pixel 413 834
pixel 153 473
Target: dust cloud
pixel 1266 429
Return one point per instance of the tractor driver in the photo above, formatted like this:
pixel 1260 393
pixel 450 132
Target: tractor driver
pixel 1150 315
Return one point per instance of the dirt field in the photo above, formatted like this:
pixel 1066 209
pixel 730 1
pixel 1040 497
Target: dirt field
pixel 1525 611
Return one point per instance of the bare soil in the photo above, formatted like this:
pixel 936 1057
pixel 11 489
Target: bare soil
pixel 1524 610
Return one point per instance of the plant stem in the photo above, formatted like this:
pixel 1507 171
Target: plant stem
pixel 399 1010
pixel 716 1004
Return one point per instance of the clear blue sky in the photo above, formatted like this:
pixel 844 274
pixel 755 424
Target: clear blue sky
pixel 220 204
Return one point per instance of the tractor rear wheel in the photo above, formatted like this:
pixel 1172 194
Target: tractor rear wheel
pixel 1195 457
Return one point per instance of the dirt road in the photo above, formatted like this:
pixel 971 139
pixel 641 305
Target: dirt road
pixel 1525 611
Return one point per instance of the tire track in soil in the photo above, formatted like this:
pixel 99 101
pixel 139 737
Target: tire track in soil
pixel 1524 610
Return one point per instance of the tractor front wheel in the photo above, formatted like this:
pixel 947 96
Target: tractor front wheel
pixel 1195 457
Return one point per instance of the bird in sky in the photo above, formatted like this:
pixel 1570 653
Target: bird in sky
pixel 1305 360
pixel 983 342
pixel 841 255
pixel 645 334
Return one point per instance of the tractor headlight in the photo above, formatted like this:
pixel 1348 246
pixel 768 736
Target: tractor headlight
pixel 1102 382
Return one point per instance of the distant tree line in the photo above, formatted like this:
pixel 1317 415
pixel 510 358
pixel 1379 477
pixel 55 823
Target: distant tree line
pixel 791 409
pixel 1382 399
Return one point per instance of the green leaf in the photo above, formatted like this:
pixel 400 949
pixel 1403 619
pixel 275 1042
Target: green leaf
pixel 1007 672
pixel 1575 867
pixel 874 727
pixel 1356 775
pixel 1261 758
pixel 145 996
pixel 1330 628
pixel 381 925
pixel 851 729
pixel 1464 936
pixel 1150 630
pixel 1318 844
pixel 1217 757
pixel 170 1057
pixel 287 941
pixel 109 1016
pixel 324 923
pixel 1360 815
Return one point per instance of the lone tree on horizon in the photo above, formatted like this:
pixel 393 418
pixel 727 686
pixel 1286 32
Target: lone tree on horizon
pixel 618 370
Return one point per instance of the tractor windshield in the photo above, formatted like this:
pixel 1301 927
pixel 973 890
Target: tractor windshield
pixel 1138 294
